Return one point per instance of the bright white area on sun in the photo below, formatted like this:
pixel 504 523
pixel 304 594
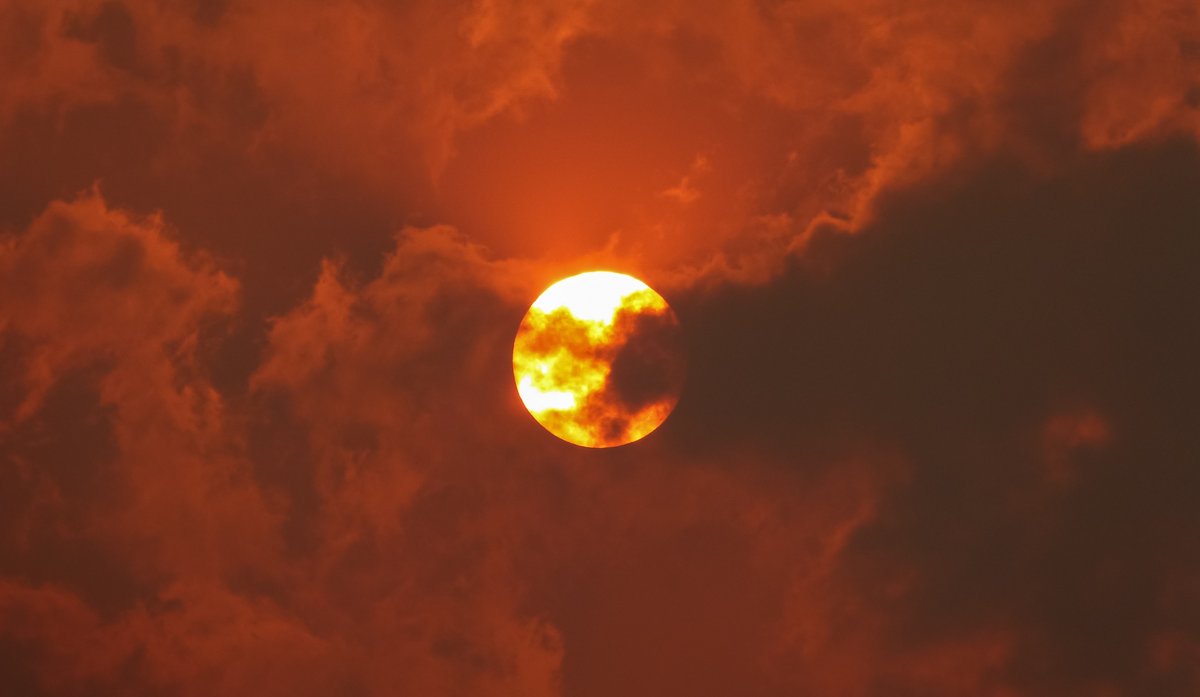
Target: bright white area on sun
pixel 593 296
pixel 538 401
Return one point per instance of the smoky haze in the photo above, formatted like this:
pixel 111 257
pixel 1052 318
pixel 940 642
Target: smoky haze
pixel 262 266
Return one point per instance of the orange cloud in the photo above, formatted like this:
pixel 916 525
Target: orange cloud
pixel 1065 435
pixel 494 116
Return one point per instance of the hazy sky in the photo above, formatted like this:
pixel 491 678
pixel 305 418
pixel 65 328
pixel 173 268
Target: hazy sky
pixel 937 264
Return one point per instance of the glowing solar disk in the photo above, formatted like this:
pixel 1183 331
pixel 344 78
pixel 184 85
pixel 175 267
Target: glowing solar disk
pixel 598 360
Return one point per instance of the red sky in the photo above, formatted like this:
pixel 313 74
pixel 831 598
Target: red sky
pixel 261 266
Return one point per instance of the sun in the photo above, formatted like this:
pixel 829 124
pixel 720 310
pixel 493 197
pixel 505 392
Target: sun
pixel 598 360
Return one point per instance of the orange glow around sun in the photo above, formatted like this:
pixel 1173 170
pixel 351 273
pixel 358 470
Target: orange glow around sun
pixel 598 359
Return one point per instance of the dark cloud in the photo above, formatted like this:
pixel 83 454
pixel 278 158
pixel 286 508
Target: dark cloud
pixel 650 365
pixel 980 314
